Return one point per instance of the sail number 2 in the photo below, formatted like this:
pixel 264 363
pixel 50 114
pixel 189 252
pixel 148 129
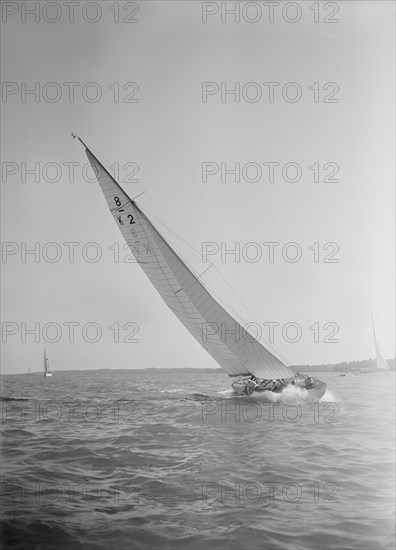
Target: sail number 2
pixel 130 216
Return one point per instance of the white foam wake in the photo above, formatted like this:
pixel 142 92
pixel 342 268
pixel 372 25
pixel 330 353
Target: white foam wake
pixel 290 393
pixel 224 392
pixel 328 397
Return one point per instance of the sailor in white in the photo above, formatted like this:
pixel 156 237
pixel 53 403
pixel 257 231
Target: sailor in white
pixel 251 385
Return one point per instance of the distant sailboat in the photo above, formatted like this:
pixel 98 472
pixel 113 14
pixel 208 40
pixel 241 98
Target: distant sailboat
pixel 30 373
pixel 230 345
pixel 47 371
pixel 381 361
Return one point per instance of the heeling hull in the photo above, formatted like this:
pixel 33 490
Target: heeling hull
pixel 315 390
pixel 46 374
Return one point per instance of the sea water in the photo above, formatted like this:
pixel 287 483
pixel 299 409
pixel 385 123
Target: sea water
pixel 173 459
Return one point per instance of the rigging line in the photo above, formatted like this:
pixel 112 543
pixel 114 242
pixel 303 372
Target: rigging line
pixel 209 266
pixel 271 346
pixel 282 355
pixel 118 208
pixel 105 160
pixel 220 298
pixel 149 216
pixel 219 303
pixel 184 306
pixel 176 235
pixel 226 306
pixel 192 269
pixel 97 152
pixel 149 237
pixel 219 351
pixel 136 196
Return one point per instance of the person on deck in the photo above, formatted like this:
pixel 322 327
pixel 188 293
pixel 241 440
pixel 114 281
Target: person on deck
pixel 251 385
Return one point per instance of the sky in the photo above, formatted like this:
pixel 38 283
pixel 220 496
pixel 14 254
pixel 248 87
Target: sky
pixel 147 99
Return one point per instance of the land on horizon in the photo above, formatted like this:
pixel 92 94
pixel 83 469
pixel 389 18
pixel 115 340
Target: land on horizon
pixel 365 364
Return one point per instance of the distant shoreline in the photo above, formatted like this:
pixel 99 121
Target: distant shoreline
pixel 365 365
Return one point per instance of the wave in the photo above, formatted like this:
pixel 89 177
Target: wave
pixel 14 399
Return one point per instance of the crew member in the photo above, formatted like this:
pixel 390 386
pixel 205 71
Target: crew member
pixel 251 385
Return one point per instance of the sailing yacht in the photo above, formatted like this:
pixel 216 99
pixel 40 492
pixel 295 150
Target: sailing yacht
pixel 30 372
pixel 184 293
pixel 381 361
pixel 47 371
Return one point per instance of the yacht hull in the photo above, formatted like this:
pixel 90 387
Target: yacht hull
pixel 314 387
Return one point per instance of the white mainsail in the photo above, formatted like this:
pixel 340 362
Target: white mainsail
pixel 381 361
pixel 230 345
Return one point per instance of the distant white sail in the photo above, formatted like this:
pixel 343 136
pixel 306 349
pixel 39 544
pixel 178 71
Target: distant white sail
pixel 47 371
pixel 230 345
pixel 381 361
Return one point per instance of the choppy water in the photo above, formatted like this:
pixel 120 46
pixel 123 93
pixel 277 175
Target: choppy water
pixel 127 459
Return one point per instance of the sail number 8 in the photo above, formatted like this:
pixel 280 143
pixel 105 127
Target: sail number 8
pixel 118 203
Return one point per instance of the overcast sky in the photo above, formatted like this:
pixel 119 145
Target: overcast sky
pixel 162 60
